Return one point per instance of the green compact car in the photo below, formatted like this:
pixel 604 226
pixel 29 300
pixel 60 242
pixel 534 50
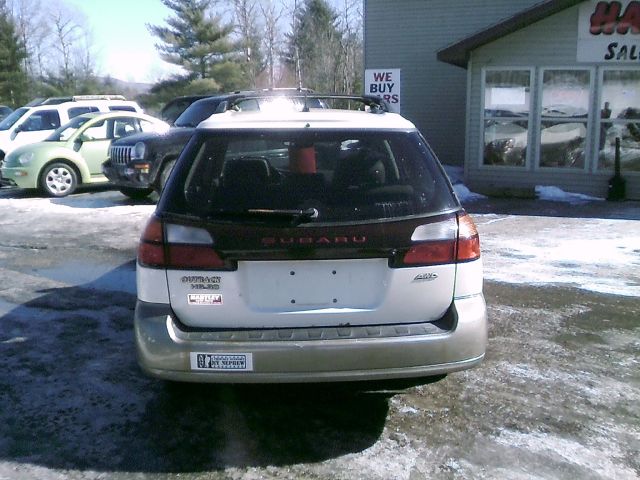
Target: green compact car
pixel 74 153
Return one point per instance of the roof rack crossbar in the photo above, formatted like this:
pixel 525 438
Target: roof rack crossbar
pixel 373 103
pixel 74 98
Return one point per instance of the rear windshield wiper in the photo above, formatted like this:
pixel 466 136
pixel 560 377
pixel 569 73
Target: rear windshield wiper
pixel 294 216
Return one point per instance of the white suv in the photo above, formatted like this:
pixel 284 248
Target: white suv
pixel 308 246
pixel 30 124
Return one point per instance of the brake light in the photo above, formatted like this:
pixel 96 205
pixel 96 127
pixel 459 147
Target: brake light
pixel 151 246
pixel 431 253
pixel 435 244
pixel 468 240
pixel 178 247
pixel 453 240
pixel 195 257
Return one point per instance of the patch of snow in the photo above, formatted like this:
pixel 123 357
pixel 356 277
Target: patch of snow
pixel 406 409
pixel 591 458
pixel 590 264
pixel 556 194
pixel 377 461
pixel 452 465
pixel 456 176
pixel 466 195
pixel 107 202
pixel 598 255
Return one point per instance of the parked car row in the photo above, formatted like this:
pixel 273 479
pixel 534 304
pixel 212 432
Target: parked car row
pixel 55 145
pixel 74 153
pixel 37 120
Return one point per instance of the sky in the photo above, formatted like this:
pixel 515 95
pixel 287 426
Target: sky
pixel 124 48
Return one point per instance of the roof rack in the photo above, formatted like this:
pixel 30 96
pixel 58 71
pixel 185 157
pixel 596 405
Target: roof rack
pixel 55 100
pixel 77 98
pixel 273 90
pixel 74 98
pixel 370 103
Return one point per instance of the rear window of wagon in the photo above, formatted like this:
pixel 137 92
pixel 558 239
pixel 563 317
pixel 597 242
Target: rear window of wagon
pixel 346 175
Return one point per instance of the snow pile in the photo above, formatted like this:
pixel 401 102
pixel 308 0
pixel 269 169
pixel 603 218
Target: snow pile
pixel 543 192
pixel 556 194
pixel 456 176
pixel 465 195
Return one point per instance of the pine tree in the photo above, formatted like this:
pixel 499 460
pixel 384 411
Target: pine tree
pixel 13 80
pixel 314 46
pixel 199 42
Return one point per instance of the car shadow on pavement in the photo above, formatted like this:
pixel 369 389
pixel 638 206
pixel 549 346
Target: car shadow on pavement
pixel 103 198
pixel 15 192
pixel 72 397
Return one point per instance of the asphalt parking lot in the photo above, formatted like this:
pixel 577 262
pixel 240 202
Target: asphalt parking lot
pixel 556 398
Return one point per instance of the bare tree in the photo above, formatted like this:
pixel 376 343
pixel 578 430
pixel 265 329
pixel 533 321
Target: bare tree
pixel 34 31
pixel 84 64
pixel 66 34
pixel 295 52
pixel 247 27
pixel 272 38
pixel 351 45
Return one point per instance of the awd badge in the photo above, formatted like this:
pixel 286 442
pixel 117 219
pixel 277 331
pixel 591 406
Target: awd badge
pixel 425 277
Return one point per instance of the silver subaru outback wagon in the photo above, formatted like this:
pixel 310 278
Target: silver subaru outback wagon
pixel 308 246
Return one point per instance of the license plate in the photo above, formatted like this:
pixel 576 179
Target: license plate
pixel 222 362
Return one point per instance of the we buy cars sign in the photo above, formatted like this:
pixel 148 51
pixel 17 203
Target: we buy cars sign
pixel 384 83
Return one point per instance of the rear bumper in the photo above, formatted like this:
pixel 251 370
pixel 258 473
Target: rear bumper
pixel 457 342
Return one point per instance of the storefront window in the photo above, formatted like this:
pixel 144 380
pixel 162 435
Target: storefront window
pixel 620 117
pixel 507 105
pixel 563 122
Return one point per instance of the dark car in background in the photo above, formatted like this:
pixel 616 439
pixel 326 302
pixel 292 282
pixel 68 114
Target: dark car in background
pixel 174 108
pixel 142 163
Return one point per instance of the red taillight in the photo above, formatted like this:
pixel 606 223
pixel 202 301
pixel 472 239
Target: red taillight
pixel 431 253
pixel 151 247
pixel 449 241
pixel 434 244
pixel 468 240
pixel 194 257
pixel 185 247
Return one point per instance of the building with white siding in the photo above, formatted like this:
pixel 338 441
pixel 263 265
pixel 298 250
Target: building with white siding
pixel 522 93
